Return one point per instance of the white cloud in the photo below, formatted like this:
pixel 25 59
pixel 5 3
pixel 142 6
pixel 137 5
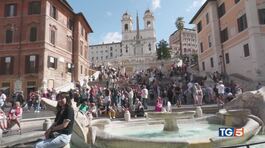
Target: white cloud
pixel 112 37
pixel 155 4
pixel 195 4
pixel 109 13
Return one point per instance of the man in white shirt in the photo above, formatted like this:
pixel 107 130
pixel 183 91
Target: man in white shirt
pixel 144 96
pixel 2 99
pixel 130 97
pixel 221 90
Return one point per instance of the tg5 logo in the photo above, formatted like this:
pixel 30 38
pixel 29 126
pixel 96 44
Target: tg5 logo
pixel 231 132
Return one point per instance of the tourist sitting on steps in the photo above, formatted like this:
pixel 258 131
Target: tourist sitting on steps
pixel 139 108
pixel 93 109
pixel 83 108
pixel 101 107
pixel 59 134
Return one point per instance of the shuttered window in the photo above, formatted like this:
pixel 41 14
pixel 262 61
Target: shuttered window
pixel 7 65
pixel 10 10
pixel 33 34
pixel 32 64
pixel 34 7
pixel 52 62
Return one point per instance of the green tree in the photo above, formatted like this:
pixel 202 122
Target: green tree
pixel 180 26
pixel 163 52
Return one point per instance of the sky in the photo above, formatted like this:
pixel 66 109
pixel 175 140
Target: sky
pixel 104 16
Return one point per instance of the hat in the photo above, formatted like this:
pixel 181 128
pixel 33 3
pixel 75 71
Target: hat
pixel 221 82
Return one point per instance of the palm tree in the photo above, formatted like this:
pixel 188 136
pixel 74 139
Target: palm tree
pixel 180 26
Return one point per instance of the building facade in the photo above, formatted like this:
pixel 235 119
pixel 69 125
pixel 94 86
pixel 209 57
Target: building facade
pixel 43 43
pixel 231 35
pixel 136 44
pixel 188 42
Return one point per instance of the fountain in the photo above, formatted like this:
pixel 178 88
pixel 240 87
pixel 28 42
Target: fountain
pixel 179 129
pixel 170 118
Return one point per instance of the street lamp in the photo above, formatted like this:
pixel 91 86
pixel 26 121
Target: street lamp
pixel 72 70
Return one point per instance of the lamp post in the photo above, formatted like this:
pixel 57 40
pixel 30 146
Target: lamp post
pixel 72 70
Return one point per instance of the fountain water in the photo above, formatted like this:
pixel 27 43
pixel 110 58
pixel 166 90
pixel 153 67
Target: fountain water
pixel 170 118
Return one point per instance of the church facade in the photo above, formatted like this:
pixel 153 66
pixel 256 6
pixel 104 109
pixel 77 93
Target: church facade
pixel 137 45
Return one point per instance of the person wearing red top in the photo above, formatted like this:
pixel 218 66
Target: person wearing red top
pixel 14 116
pixel 159 105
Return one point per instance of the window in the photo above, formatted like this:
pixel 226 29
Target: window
pixel 53 12
pixel 126 27
pixel 224 35
pixel 70 24
pixel 261 16
pixel 52 37
pixel 203 66
pixel 148 24
pixel 246 50
pixel 33 34
pixel 227 59
pixel 212 64
pixel 81 69
pixel 52 62
pixel 7 65
pixel 110 48
pixel 81 48
pixel 236 1
pixel 107 57
pixel 149 46
pixel 126 47
pixel 111 54
pixel 221 10
pixel 9 36
pixel 10 10
pixel 82 31
pixel 199 27
pixel 31 64
pixel 242 23
pixel 85 52
pixel 209 41
pixel 69 44
pixel 68 67
pixel 34 7
pixel 92 58
pixel 201 45
pixel 207 18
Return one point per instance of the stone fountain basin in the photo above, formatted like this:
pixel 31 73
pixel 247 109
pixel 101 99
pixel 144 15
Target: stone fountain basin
pixel 107 139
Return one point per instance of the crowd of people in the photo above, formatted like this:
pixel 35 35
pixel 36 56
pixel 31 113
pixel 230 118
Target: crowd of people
pixel 152 87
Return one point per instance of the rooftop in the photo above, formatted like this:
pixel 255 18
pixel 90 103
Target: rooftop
pixel 200 10
pixel 188 29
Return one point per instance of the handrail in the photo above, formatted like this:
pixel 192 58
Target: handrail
pixel 244 145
